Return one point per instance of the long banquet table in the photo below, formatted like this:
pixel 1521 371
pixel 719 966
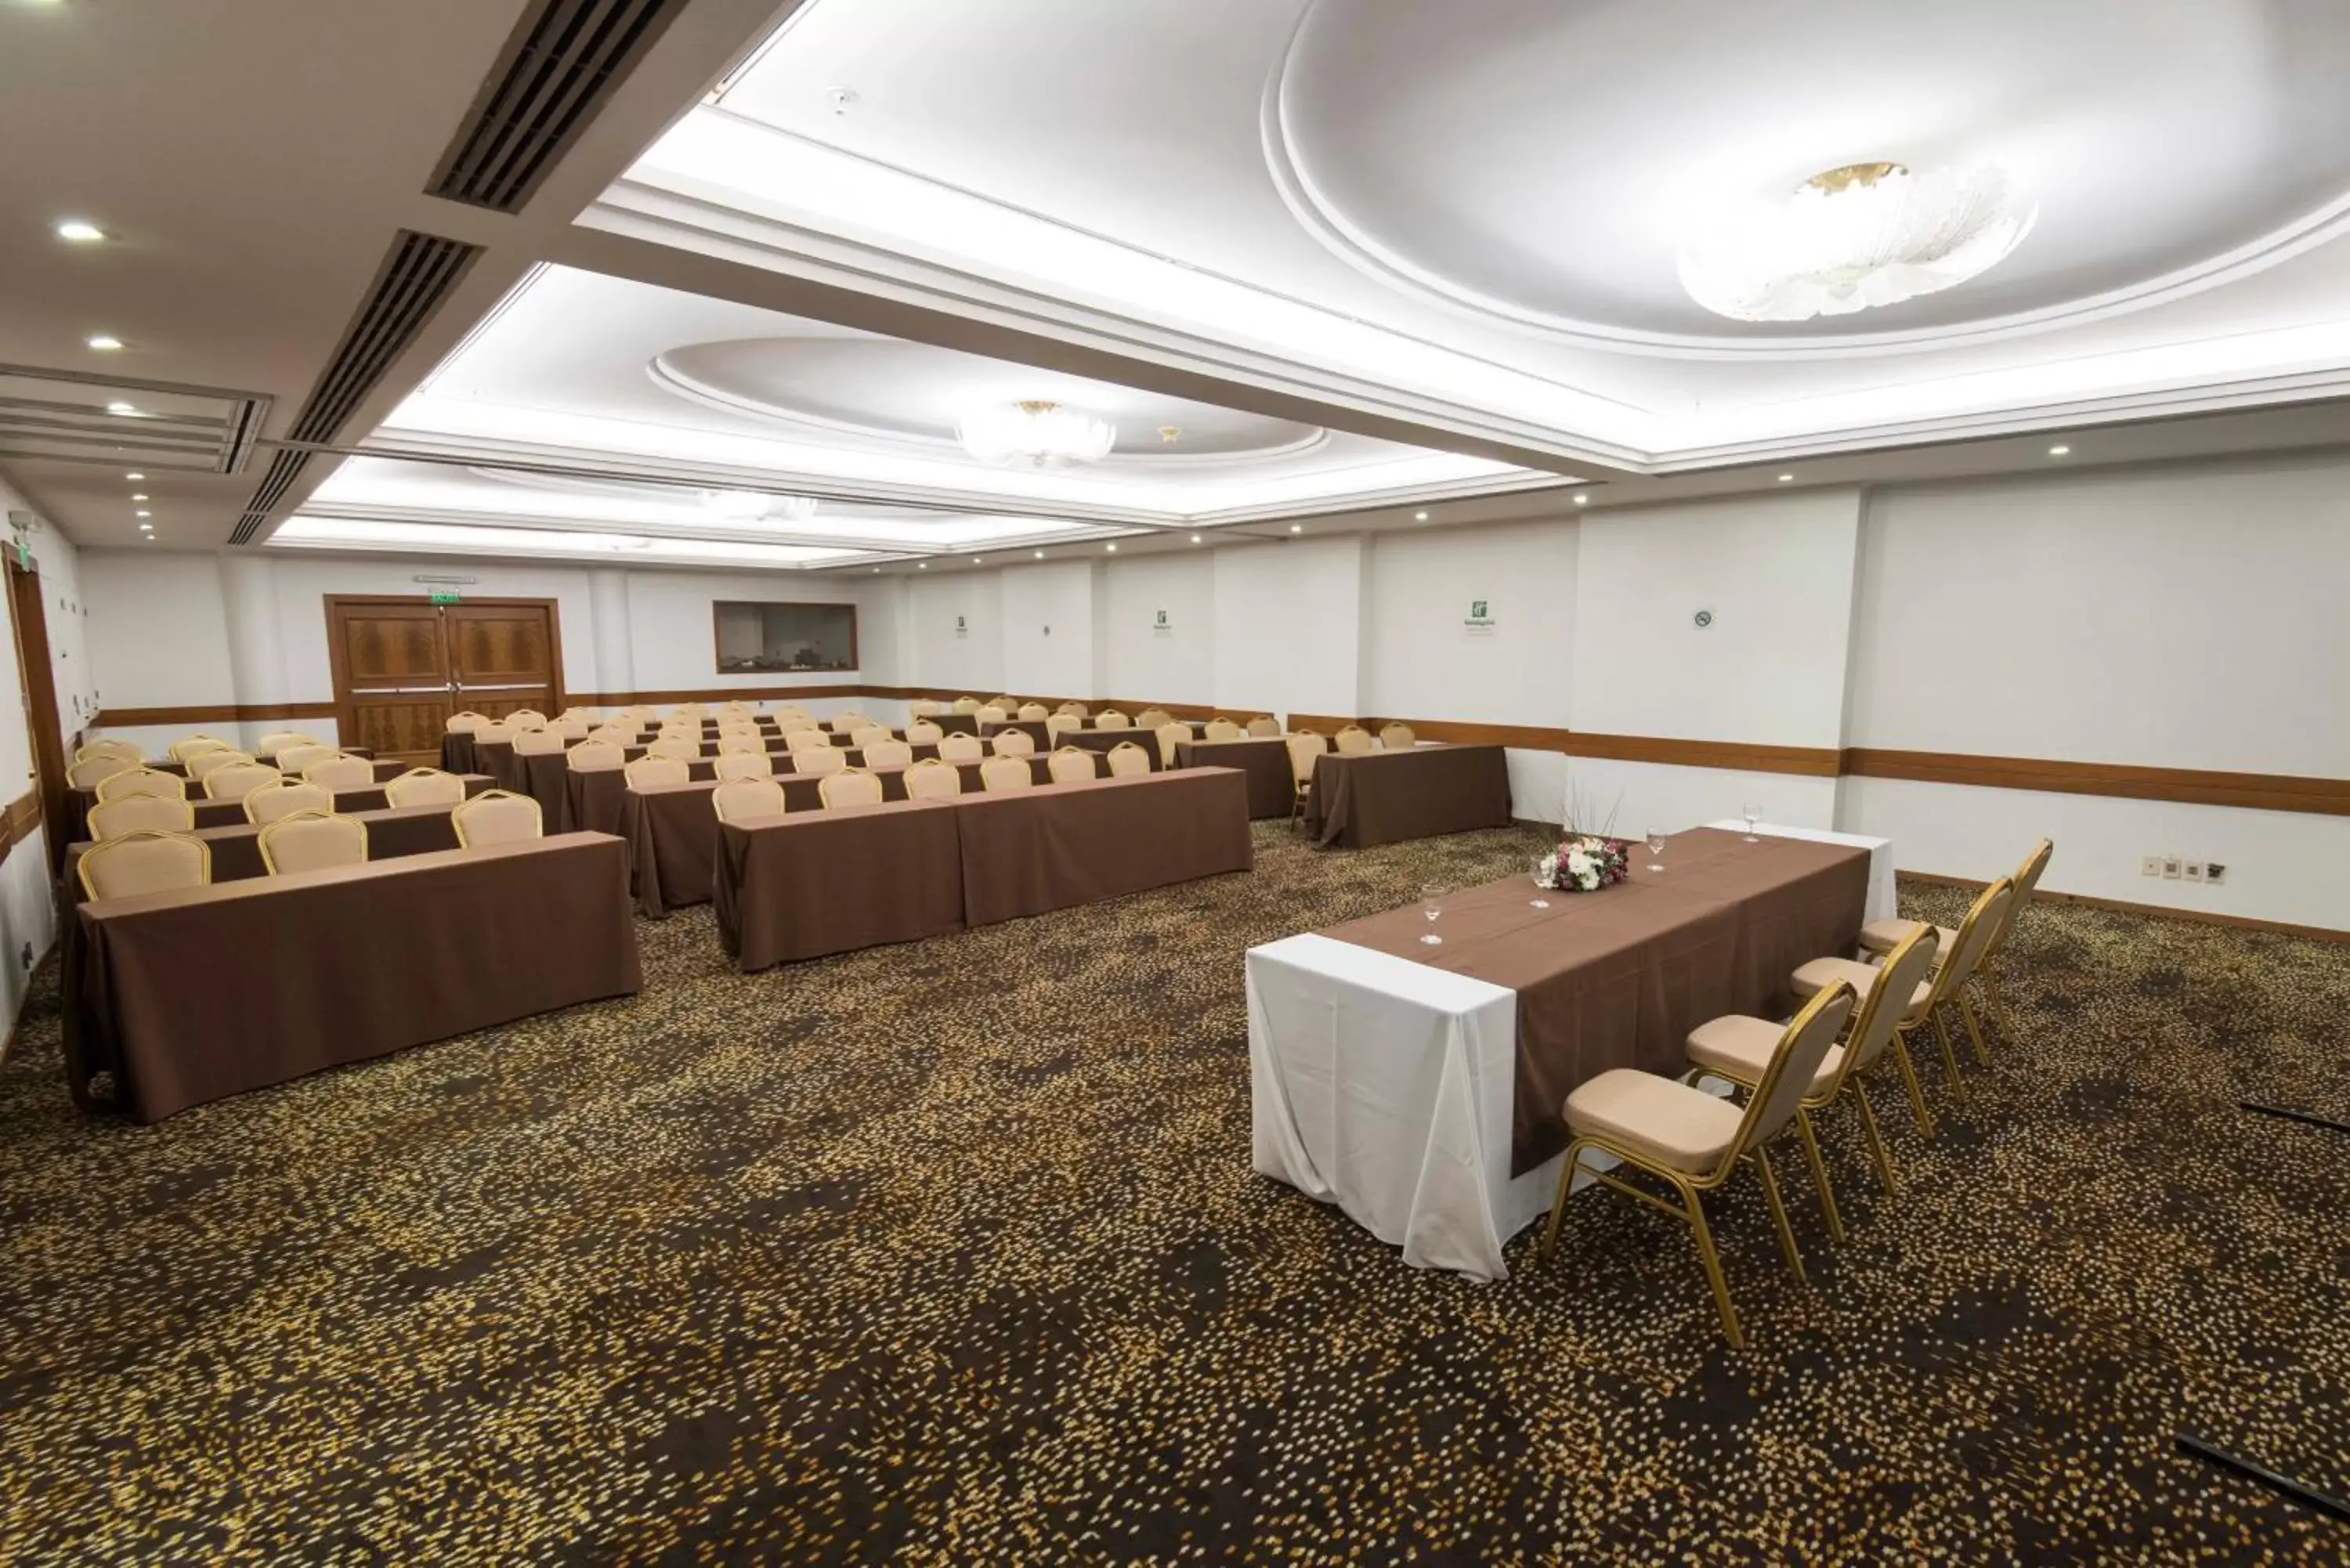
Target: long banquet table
pixel 393 833
pixel 229 813
pixel 568 799
pixel 1385 797
pixel 194 995
pixel 1271 789
pixel 1419 1088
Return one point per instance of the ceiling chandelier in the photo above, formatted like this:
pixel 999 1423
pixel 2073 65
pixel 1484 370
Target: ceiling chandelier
pixel 758 506
pixel 1865 234
pixel 1036 434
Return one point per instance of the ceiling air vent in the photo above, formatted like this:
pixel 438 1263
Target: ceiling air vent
pixel 565 59
pixel 284 470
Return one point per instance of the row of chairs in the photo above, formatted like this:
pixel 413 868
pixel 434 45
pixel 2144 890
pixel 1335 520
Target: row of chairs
pixel 737 799
pixel 149 860
pixel 1861 1012
pixel 144 803
pixel 1353 741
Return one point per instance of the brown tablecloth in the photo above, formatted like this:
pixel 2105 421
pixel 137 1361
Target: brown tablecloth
pixel 1026 852
pixel 672 838
pixel 393 834
pixel 1618 977
pixel 592 801
pixel 457 754
pixel 191 996
pixel 1104 742
pixel 230 813
pixel 165 765
pixel 1272 791
pixel 1386 798
pixel 1033 728
pixel 806 885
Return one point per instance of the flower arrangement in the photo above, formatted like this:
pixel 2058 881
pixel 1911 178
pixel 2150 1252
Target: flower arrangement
pixel 1584 861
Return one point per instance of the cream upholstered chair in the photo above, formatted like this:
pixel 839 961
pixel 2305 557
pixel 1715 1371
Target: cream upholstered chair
pixel 91 771
pixel 595 756
pixel 642 712
pixel 807 738
pixel 1031 711
pixel 572 728
pixel 961 749
pixel 142 781
pixel 313 841
pixel 692 710
pixel 1005 773
pixel 276 740
pixel 992 714
pixel 931 779
pixel 1061 724
pixel 187 746
pixel 1009 703
pixel 425 786
pixel 925 708
pixel 1353 741
pixel 1170 735
pixel 139 863
pixel 1128 760
pixel 756 765
pixel 1112 719
pixel 847 722
pixel 741 800
pixel 1221 730
pixel 789 716
pixel 112 746
pixel 613 734
pixel 525 719
pixel 540 743
pixel 1152 718
pixel 685 748
pixel 1396 737
pixel 1074 710
pixel 889 754
pixel 1013 743
pixel 497 816
pixel 1694 1141
pixel 650 772
pixel 966 704
pixel 730 745
pixel 1305 748
pixel 493 734
pixel 1946 984
pixel 577 712
pixel 241 779
pixel 1264 727
pixel 1883 935
pixel 922 733
pixel 1073 764
pixel 850 786
pixel 270 802
pixel 817 761
pixel 294 759
pixel 141 813
pixel 466 722
pixel 733 709
pixel 867 734
pixel 341 772
pixel 739 729
pixel 203 765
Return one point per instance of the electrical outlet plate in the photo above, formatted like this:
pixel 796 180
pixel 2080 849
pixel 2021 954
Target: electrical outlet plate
pixel 2150 867
pixel 2195 870
pixel 2173 867
pixel 2215 873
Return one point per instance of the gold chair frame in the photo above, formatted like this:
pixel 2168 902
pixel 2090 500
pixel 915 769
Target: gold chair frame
pixel 267 836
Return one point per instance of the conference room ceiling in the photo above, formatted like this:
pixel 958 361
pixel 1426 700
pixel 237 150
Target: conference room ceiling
pixel 1374 265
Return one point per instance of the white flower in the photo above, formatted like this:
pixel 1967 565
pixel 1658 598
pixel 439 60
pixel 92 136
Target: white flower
pixel 1578 863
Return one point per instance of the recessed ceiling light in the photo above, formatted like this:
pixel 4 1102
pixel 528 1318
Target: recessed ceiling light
pixel 134 476
pixel 1113 549
pixel 1195 538
pixel 978 560
pixel 877 571
pixel 1419 516
pixel 1040 555
pixel 142 515
pixel 140 496
pixel 2058 450
pixel 104 342
pixel 1786 479
pixel 1582 501
pixel 146 527
pixel 922 566
pixel 80 232
pixel 120 408
pixel 1297 527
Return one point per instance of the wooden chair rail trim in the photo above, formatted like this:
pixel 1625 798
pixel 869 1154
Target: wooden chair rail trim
pixel 2190 786
pixel 2165 911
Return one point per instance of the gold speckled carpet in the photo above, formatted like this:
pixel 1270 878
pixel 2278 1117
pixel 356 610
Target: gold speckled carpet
pixel 950 1253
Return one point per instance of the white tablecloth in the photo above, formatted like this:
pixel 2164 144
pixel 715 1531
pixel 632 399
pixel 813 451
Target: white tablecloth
pixel 1386 1086
pixel 1880 906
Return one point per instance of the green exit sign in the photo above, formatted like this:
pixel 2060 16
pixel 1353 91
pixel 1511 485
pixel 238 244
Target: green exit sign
pixel 446 597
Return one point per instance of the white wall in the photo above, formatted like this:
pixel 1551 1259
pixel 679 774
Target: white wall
pixel 1140 659
pixel 1421 659
pixel 1288 621
pixel 1048 628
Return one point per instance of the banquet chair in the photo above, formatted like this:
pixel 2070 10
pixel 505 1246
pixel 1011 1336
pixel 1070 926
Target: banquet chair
pixel 425 786
pixel 1221 730
pixel 847 722
pixel 1112 719
pixel 1032 712
pixel 866 734
pixel 312 841
pixel 91 771
pixel 141 813
pixel 992 714
pixel 689 710
pixel 924 708
pixel 961 749
pixel 186 746
pixel 241 779
pixel 596 756
pixel 922 733
pixel 889 754
pixel 573 728
pixel 577 712
pixel 139 863
pixel 685 748
pixel 790 715
pixel 1072 764
pixel 1306 747
pixel 1353 741
pixel 112 747
pixel 525 719
pixel 492 733
pixel 734 745
pixel 1014 744
pixel 1882 936
pixel 741 800
pixel 1061 724
pixel 1264 727
pixel 497 816
pixel 611 733
pixel 1396 737
pixel 650 772
pixel 642 713
pixel 731 709
pixel 203 765
pixel 1946 983
pixel 276 740
pixel 341 772
pixel 1005 773
pixel 142 781
pixel 931 779
pixel 1694 1142
pixel 966 704
pixel 1153 718
pixel 756 765
pixel 465 724
pixel 1073 709
pixel 807 738
pixel 270 802
pixel 817 761
pixel 850 786
pixel 294 759
pixel 540 743
pixel 1128 760
pixel 1169 735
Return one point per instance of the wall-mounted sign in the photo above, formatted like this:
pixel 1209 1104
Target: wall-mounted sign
pixel 963 627
pixel 1479 621
pixel 1160 626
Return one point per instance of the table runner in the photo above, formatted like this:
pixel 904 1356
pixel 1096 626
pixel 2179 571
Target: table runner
pixel 1618 977
pixel 1271 789
pixel 1385 797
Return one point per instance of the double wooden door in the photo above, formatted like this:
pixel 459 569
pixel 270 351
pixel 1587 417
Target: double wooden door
pixel 403 664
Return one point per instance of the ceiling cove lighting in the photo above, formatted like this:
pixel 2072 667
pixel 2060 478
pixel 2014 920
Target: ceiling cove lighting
pixel 134 477
pixel 104 342
pixel 80 232
pixel 1582 501
pixel 1786 479
pixel 1852 238
pixel 1036 432
pixel 122 408
pixel 758 506
pixel 1297 527
pixel 2059 450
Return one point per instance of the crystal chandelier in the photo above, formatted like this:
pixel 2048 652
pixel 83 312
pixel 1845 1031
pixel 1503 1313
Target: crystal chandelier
pixel 758 506
pixel 1862 236
pixel 1036 434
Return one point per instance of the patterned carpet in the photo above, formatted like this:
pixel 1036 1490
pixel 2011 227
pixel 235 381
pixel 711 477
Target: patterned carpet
pixel 952 1254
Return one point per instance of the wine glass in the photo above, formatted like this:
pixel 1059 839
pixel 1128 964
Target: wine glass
pixel 1753 813
pixel 1431 904
pixel 1538 902
pixel 1656 849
